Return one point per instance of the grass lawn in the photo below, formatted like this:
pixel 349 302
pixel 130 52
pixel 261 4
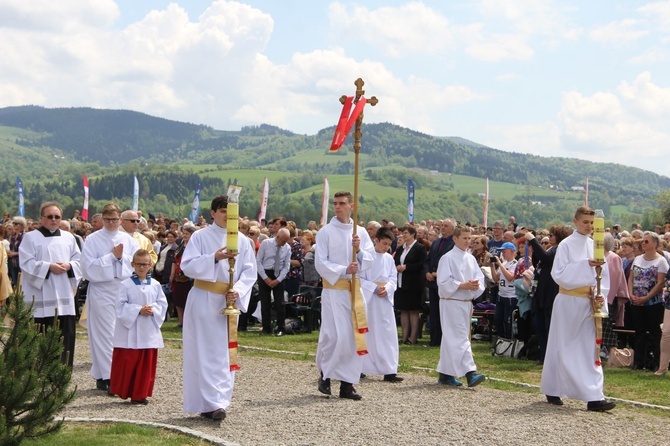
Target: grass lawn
pixel 85 434
pixel 627 384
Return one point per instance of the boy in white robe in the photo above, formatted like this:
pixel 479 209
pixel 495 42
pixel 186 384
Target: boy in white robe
pixel 336 355
pixel 105 263
pixel 208 380
pixel 459 281
pixel 571 367
pixel 140 312
pixel 379 285
pixel 49 261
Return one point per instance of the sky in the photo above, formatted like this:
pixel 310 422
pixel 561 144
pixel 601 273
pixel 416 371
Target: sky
pixel 573 78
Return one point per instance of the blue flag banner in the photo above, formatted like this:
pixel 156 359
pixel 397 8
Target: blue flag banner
pixel 195 208
pixel 410 201
pixel 136 195
pixel 22 207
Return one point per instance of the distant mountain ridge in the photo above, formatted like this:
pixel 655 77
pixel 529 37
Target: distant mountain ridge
pixel 123 136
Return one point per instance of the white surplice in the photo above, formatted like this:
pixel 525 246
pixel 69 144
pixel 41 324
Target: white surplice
pixel 50 291
pixel 570 368
pixel 208 381
pixel 133 330
pixel 454 268
pixel 382 339
pixel 105 274
pixel 336 355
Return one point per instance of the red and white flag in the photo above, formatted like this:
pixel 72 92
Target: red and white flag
pixel 264 199
pixel 324 202
pixel 84 211
pixel 486 205
pixel 347 120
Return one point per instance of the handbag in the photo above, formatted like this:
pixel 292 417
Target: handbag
pixel 507 347
pixel 621 357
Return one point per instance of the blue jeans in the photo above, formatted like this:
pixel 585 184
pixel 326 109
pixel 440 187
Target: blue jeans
pixel 503 316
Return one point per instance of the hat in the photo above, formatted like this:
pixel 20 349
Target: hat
pixel 508 245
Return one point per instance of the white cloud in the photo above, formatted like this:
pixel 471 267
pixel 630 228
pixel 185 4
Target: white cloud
pixel 618 32
pixel 538 139
pixel 651 55
pixel 607 126
pixel 409 29
pixel 659 11
pixel 497 47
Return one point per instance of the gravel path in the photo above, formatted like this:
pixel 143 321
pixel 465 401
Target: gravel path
pixel 275 402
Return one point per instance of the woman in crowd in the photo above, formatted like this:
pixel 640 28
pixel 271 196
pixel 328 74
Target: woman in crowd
pixel 665 336
pixel 645 284
pixel 181 284
pixel 545 288
pixel 310 275
pixel 409 259
pixel 627 254
pixel 19 224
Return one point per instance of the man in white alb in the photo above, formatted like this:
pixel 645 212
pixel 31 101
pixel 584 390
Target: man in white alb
pixel 49 260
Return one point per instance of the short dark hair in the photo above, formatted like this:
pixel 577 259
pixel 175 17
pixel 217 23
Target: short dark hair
pixel 410 229
pixel 384 233
pixel 584 210
pixel 219 202
pixel 141 253
pixel 350 198
pixel 459 229
pixel 49 204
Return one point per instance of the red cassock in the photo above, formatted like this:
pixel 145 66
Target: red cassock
pixel 133 372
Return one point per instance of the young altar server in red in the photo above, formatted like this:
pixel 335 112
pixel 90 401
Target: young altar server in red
pixel 140 311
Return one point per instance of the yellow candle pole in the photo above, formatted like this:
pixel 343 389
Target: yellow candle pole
pixel 232 226
pixel 599 255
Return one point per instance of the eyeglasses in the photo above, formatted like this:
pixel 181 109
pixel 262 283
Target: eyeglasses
pixel 644 242
pixel 132 220
pixel 142 265
pixel 53 217
pixel 110 220
pixel 15 223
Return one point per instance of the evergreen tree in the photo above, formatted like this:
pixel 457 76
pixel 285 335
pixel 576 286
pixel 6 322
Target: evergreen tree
pixel 34 384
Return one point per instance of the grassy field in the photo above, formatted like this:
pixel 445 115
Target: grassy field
pixel 461 183
pixel 627 384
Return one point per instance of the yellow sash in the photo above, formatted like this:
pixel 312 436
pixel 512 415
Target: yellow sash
pixel 582 291
pixel 222 288
pixel 357 310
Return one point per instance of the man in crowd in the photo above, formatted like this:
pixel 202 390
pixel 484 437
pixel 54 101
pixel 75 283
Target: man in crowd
pixel 96 222
pixel 106 262
pixel 50 266
pixel 438 248
pixel 130 221
pixel 572 366
pixel 272 263
pixel 336 355
pixel 208 380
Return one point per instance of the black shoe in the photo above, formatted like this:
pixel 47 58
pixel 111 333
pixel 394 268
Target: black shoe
pixel 143 401
pixel 102 384
pixel 363 375
pixel 600 406
pixel 393 378
pixel 218 415
pixel 555 400
pixel 347 391
pixel 324 385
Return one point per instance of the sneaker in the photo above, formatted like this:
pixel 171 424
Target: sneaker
pixel 448 380
pixel 475 379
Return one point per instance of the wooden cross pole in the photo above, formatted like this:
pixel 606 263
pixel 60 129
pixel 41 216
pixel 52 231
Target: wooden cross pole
pixel 357 144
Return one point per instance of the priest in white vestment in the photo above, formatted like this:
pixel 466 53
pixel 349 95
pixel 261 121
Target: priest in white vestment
pixel 208 380
pixel 336 355
pixel 49 261
pixel 459 281
pixel 572 363
pixel 105 263
pixel 379 285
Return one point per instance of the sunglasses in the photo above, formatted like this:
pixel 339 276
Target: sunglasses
pixel 132 220
pixel 53 217
pixel 644 242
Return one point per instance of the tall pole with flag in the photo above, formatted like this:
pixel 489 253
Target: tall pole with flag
pixel 136 195
pixel 410 201
pixel 84 210
pixel 22 206
pixel 344 125
pixel 586 192
pixel 264 199
pixel 195 207
pixel 486 205
pixel 324 202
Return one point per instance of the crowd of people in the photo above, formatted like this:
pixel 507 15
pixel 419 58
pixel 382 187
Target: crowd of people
pixel 418 277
